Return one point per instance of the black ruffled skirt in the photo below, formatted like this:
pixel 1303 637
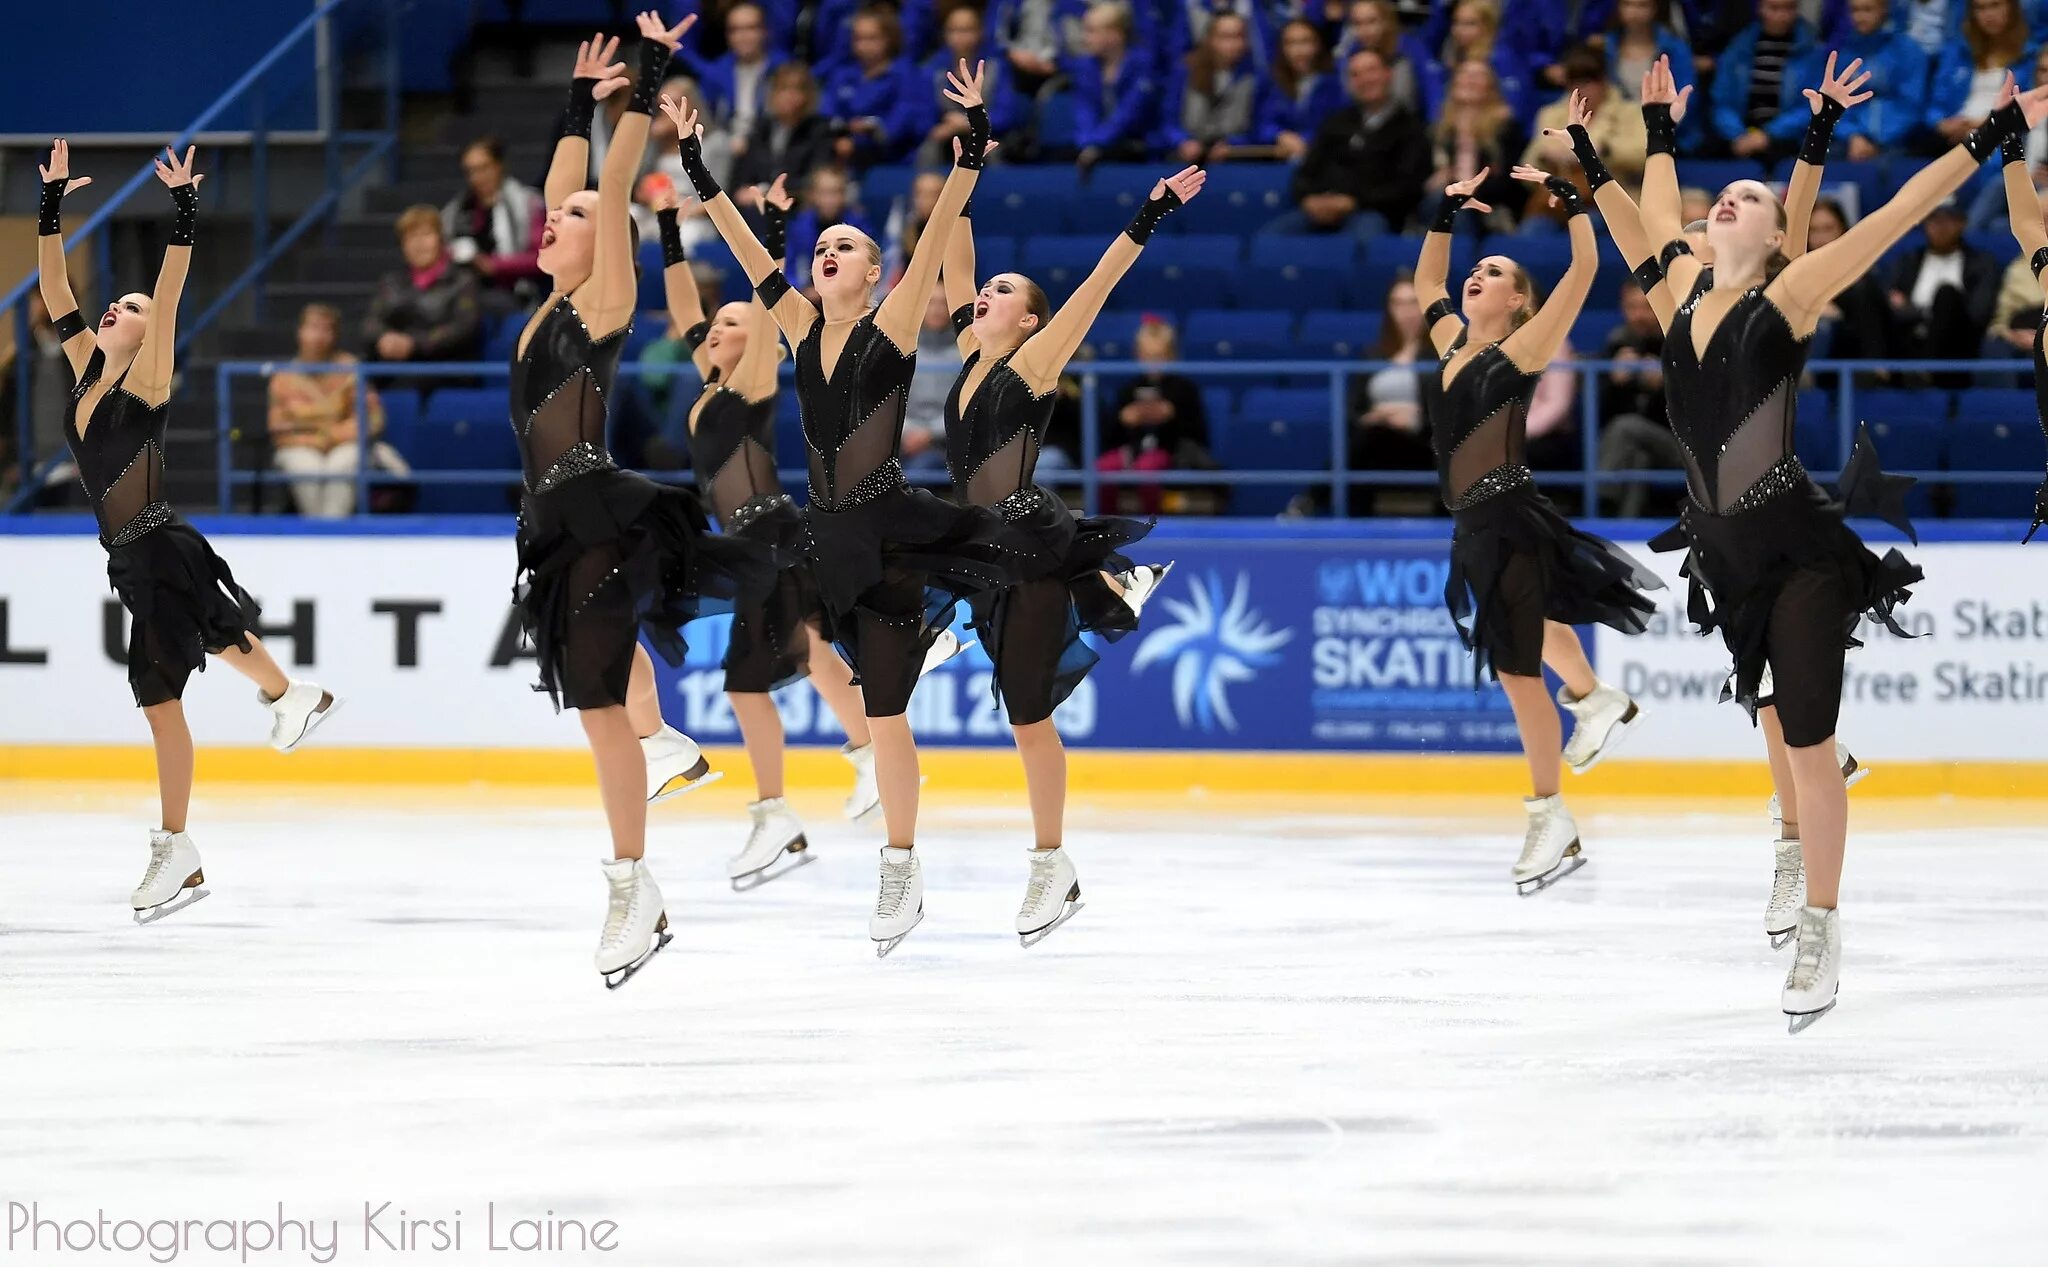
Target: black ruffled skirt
pixel 1516 562
pixel 770 645
pixel 1033 631
pixel 612 555
pixel 184 605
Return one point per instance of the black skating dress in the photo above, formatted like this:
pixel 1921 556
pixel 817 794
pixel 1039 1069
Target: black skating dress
pixel 183 601
pixel 732 446
pixel 1772 562
pixel 1515 561
pixel 1032 631
pixel 605 554
pixel 891 561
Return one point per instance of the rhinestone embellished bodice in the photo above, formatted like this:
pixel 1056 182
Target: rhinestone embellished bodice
pixel 559 390
pixel 732 446
pixel 992 440
pixel 1732 409
pixel 120 456
pixel 1478 424
pixel 853 418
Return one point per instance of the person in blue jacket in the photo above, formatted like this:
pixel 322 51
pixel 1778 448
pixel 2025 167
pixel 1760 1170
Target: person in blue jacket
pixel 963 39
pixel 877 102
pixel 1765 125
pixel 831 43
pixel 702 45
pixel 1115 87
pixel 1894 117
pixel 1638 33
pixel 1970 70
pixel 1373 24
pixel 1187 24
pixel 1218 97
pixel 736 82
pixel 828 200
pixel 1033 35
pixel 1475 32
pixel 1306 89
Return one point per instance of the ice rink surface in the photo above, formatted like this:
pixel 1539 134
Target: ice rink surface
pixel 1278 1033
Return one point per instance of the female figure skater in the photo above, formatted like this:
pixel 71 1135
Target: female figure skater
pixel 2023 207
pixel 778 639
pixel 183 602
pixel 891 561
pixel 1013 350
pixel 1774 565
pixel 603 553
pixel 1521 576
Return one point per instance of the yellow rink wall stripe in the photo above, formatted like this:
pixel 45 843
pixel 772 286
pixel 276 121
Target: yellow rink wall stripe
pixel 1091 770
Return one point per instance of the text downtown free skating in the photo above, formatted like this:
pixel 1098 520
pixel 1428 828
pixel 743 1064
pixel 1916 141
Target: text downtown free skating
pixel 382 1228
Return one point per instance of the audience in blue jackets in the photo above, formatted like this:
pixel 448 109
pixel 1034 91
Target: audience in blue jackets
pixel 963 39
pixel 877 102
pixel 1218 97
pixel 735 83
pixel 1305 88
pixel 1475 34
pixel 1971 69
pixel 1115 87
pixel 1760 109
pixel 1372 24
pixel 1894 118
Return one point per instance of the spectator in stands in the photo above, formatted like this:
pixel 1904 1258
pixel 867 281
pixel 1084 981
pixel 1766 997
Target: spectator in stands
pixel 1988 209
pixel 1616 128
pixel 789 136
pixel 1160 422
pixel 1693 205
pixel 1364 172
pixel 923 447
pixel 1759 109
pixel 1218 97
pixel 1942 294
pixel 1857 325
pixel 494 224
pixel 1372 24
pixel 1008 109
pixel 1970 70
pixel 828 200
pixel 1553 443
pixel 428 310
pixel 907 219
pixel 1034 37
pixel 736 84
pixel 1637 35
pixel 712 37
pixel 878 101
pixel 1115 86
pixel 1476 132
pixel 1305 86
pixel 832 31
pixel 314 427
pixel 661 157
pixel 1635 434
pixel 1893 118
pixel 1387 427
pixel 1475 36
pixel 1188 22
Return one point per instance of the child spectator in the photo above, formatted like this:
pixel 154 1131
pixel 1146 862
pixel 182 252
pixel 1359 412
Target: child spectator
pixel 878 101
pixel 1115 87
pixel 1218 98
pixel 1306 90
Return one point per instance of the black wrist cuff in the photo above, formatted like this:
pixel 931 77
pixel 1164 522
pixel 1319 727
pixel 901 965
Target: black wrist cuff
pixel 963 317
pixel 671 223
pixel 1672 250
pixel 2012 149
pixel 69 326
pixel 2040 260
pixel 1663 132
pixel 771 289
pixel 581 110
pixel 691 151
pixel 186 218
pixel 1155 209
pixel 1589 158
pixel 652 57
pixel 1567 193
pixel 1447 212
pixel 775 231
pixel 1647 274
pixel 974 145
pixel 50 215
pixel 2008 120
pixel 1820 132
pixel 1437 312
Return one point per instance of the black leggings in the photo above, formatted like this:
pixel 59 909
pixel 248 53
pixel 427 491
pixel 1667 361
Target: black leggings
pixel 1517 632
pixel 890 643
pixel 1805 649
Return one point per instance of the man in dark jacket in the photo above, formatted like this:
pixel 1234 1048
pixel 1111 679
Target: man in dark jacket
pixel 1942 293
pixel 1363 173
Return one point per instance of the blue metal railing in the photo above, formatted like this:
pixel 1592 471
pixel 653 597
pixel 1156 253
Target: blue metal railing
pixel 1336 476
pixel 264 251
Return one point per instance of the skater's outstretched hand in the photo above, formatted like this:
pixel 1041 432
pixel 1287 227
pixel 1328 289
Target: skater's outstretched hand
pixel 963 88
pixel 1467 187
pixel 595 59
pixel 1183 184
pixel 59 167
pixel 651 28
pixel 178 172
pixel 1845 89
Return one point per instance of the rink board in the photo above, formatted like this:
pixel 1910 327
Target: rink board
pixel 1319 641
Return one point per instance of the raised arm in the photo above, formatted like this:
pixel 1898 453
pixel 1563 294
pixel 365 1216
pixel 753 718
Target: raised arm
pixel 1535 342
pixel 569 170
pixel 1624 219
pixel 902 311
pixel 1829 102
pixel 1044 356
pixel 608 305
pixel 1663 219
pixel 150 376
pixel 1803 290
pixel 53 271
pixel 754 377
pixel 958 276
pixel 678 283
pixel 792 312
pixel 1432 268
pixel 2023 205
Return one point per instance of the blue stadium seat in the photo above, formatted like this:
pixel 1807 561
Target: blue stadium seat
pixel 648 329
pixel 995 253
pixel 1999 243
pixel 1590 331
pixel 1151 285
pixel 465 428
pixel 1058 262
pixel 1056 120
pixel 1300 288
pixel 401 418
pixel 1816 434
pixel 1220 404
pixel 1238 198
pixel 1543 256
pixel 1911 445
pixel 1273 252
pixel 789 440
pixel 1920 409
pixel 1223 250
pixel 1341 333
pixel 1111 337
pixel 1277 429
pixel 880 186
pixel 1242 335
pixel 1716 174
pixel 501 336
pixel 651 292
pixel 1978 445
pixel 1977 405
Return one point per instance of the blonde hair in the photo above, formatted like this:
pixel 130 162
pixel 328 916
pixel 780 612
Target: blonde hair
pixel 2008 48
pixel 419 216
pixel 1485 119
pixel 1532 299
pixel 1489 13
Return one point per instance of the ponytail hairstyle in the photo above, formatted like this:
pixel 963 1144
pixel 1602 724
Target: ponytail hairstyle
pixel 1532 298
pixel 1034 298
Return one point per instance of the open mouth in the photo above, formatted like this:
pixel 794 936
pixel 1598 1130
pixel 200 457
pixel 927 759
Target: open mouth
pixel 547 237
pixel 1472 290
pixel 1725 215
pixel 981 309
pixel 830 268
pixel 107 322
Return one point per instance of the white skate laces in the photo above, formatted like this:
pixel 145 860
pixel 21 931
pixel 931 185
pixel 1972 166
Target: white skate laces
pixel 1552 838
pixel 160 847
pixel 895 891
pixel 1052 895
pixel 1788 893
pixel 622 906
pixel 1814 979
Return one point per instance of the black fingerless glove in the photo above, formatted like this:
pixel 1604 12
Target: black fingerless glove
pixel 1567 193
pixel 1820 132
pixel 186 218
pixel 1155 209
pixel 2012 149
pixel 775 230
pixel 50 216
pixel 652 58
pixel 974 145
pixel 1589 158
pixel 671 223
pixel 1663 132
pixel 1447 212
pixel 581 110
pixel 690 149
pixel 2007 120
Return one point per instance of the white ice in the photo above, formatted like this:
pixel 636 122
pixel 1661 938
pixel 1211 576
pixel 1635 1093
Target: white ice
pixel 1279 1033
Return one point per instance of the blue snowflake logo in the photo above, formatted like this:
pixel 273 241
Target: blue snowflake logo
pixel 1214 643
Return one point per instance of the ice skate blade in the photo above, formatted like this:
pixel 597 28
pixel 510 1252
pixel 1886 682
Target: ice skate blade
pixel 172 907
pixel 795 856
pixel 618 977
pixel 1780 940
pixel 314 721
pixel 868 815
pixel 1028 940
pixel 1159 583
pixel 688 781
pixel 1855 772
pixel 883 945
pixel 1800 1022
pixel 959 649
pixel 1615 734
pixel 1572 861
